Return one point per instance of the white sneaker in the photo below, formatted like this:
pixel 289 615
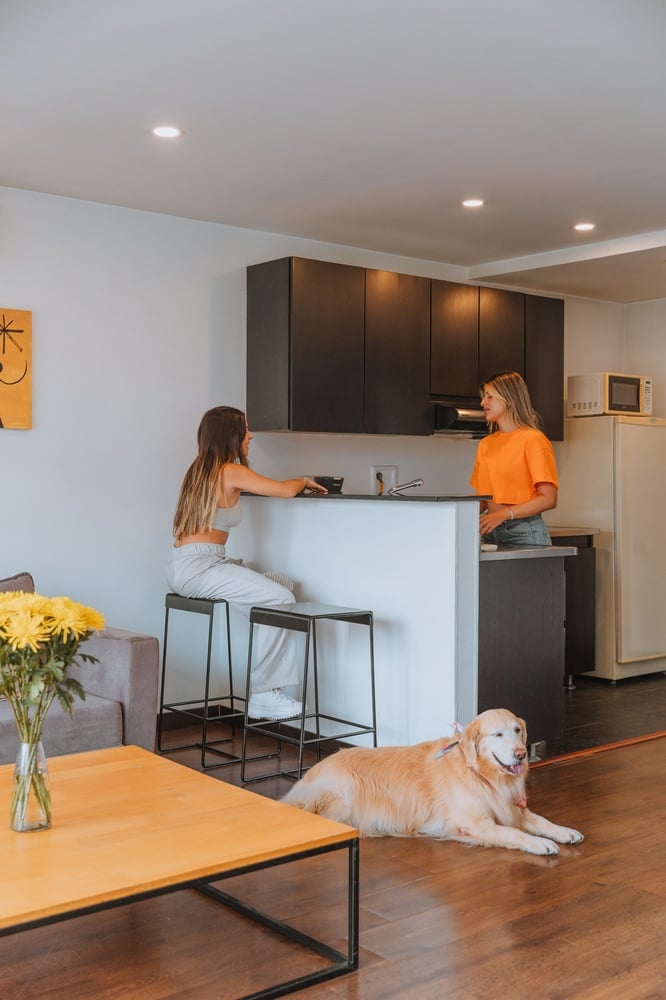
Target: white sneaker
pixel 274 704
pixel 282 579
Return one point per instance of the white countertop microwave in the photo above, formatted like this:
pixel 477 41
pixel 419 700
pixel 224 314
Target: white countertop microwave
pixel 608 392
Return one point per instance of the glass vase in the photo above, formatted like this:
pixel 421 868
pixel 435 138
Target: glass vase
pixel 31 797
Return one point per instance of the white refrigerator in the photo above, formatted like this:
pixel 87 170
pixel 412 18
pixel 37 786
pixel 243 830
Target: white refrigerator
pixel 612 473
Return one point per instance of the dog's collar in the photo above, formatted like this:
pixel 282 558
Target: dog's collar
pixel 450 746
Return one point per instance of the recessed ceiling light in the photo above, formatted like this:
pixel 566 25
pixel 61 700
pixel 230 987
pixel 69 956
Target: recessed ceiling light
pixel 473 202
pixel 584 227
pixel 167 132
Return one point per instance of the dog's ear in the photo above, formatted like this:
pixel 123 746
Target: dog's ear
pixel 469 743
pixel 523 728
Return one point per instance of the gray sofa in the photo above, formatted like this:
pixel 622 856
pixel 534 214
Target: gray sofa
pixel 121 695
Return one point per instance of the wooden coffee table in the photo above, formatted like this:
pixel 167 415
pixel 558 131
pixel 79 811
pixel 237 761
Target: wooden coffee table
pixel 129 825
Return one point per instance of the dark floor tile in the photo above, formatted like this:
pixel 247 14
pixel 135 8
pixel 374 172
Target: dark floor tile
pixel 598 712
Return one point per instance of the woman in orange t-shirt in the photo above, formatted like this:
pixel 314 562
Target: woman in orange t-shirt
pixel 515 464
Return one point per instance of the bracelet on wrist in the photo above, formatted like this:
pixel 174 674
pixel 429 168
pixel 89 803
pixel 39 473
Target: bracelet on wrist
pixel 511 513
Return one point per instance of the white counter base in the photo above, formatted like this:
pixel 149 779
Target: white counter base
pixel 415 565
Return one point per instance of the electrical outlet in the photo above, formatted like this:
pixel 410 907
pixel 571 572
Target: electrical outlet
pixel 389 478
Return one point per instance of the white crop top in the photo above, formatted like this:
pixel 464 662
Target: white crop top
pixel 227 518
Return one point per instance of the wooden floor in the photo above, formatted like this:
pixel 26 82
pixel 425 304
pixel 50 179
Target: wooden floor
pixel 438 920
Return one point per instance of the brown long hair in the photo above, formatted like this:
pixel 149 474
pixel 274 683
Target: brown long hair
pixel 220 439
pixel 511 389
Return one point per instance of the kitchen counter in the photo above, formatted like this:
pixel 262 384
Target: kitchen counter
pixel 555 531
pixel 411 560
pixel 414 561
pixel 529 552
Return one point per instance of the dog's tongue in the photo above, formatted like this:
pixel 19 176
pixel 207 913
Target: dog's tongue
pixel 516 768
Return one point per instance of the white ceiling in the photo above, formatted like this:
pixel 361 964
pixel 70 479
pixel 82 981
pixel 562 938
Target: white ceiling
pixel 361 122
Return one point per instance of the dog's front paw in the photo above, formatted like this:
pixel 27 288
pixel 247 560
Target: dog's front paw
pixel 571 836
pixel 544 846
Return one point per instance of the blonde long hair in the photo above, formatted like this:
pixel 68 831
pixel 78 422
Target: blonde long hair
pixel 220 439
pixel 511 389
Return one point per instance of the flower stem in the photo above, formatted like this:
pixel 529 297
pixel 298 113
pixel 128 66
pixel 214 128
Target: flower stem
pixel 31 799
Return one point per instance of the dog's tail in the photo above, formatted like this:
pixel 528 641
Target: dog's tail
pixel 302 796
pixel 322 803
pixel 295 797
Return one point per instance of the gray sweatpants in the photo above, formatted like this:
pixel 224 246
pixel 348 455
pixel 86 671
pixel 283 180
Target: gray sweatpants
pixel 203 570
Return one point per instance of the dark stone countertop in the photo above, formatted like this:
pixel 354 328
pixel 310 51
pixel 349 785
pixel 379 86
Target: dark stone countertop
pixel 556 531
pixel 529 552
pixel 400 498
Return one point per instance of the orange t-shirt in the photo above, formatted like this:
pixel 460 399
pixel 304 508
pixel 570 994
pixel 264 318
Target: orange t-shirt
pixel 509 465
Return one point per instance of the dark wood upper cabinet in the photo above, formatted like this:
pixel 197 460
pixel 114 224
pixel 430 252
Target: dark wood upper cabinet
pixel 454 351
pixel 268 334
pixel 544 361
pixel 305 346
pixel 397 354
pixel 327 332
pixel 501 332
pixel 343 349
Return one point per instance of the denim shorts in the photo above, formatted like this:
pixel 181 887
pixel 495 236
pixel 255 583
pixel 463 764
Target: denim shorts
pixel 521 532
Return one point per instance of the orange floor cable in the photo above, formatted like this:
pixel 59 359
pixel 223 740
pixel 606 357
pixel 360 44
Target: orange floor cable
pixel 600 749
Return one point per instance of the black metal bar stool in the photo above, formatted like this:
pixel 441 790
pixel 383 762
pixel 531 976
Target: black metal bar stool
pixel 205 710
pixel 303 617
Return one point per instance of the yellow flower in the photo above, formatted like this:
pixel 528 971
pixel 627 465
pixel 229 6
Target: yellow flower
pixel 39 641
pixel 66 617
pixel 11 602
pixel 24 629
pixel 32 620
pixel 94 619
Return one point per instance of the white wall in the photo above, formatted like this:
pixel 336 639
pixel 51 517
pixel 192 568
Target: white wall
pixel 138 328
pixel 645 326
pixel 593 341
pixel 594 336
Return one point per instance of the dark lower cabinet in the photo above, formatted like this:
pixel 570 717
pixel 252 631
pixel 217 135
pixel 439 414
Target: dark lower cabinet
pixel 521 641
pixel 580 576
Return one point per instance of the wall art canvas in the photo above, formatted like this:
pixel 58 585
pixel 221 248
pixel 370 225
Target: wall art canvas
pixel 15 369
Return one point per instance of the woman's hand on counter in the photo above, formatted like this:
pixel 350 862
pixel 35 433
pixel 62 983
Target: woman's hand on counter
pixel 491 519
pixel 244 479
pixel 545 498
pixel 311 486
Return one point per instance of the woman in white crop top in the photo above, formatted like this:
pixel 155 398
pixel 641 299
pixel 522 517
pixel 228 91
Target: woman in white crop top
pixel 208 508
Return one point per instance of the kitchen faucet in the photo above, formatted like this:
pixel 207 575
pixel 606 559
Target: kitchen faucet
pixel 396 490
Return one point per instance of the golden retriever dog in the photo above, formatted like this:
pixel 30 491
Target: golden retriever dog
pixel 470 789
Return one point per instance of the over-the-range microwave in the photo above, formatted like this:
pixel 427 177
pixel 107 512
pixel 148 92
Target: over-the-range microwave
pixel 608 392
